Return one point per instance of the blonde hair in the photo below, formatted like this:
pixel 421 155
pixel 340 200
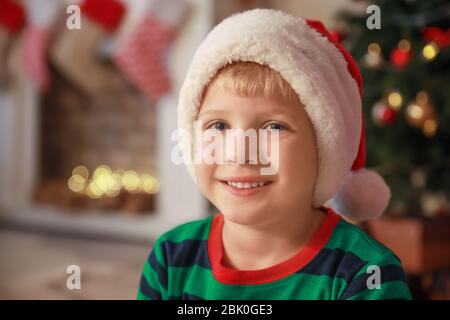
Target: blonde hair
pixel 251 79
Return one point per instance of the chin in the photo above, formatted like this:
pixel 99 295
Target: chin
pixel 243 214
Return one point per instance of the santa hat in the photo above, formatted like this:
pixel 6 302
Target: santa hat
pixel 328 83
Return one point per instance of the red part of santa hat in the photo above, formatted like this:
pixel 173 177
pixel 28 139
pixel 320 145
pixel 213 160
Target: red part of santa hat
pixel 353 69
pixel 349 199
pixel 328 83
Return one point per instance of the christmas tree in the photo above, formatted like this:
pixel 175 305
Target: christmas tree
pixel 405 66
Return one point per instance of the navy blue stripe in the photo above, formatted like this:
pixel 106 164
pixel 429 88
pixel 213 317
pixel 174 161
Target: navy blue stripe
pixel 145 288
pixel 387 274
pixel 187 253
pixel 160 270
pixel 334 263
pixel 186 296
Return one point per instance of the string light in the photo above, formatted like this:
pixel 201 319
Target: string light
pixel 94 191
pixel 430 127
pixel 76 183
pixel 130 180
pixel 149 184
pixel 81 171
pixel 106 182
pixel 415 111
pixel 395 100
pixel 374 49
pixel 422 97
pixel 421 114
pixel 373 58
pixel 430 51
pixel 404 45
pixel 101 170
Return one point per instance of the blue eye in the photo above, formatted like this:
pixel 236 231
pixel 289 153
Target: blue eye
pixel 276 126
pixel 218 125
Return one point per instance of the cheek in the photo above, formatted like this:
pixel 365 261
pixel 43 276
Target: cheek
pixel 204 174
pixel 298 163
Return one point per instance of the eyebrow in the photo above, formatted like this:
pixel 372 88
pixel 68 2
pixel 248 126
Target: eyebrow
pixel 214 111
pixel 226 111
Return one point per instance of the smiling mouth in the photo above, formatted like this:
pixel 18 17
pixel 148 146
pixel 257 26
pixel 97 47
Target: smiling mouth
pixel 244 186
pixel 247 185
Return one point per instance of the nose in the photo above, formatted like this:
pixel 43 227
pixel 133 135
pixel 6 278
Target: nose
pixel 241 149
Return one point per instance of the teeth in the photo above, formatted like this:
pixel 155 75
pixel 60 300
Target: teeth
pixel 246 185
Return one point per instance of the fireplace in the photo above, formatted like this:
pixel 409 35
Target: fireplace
pixel 97 153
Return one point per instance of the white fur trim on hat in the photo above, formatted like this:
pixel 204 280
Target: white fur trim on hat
pixel 311 64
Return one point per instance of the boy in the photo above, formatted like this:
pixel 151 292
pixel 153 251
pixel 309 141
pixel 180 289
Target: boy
pixel 273 237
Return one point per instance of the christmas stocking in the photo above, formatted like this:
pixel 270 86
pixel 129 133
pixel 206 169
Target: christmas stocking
pixel 142 57
pixel 41 18
pixel 12 18
pixel 76 54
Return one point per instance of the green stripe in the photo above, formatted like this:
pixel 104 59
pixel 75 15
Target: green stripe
pixel 347 236
pixel 295 286
pixel 141 296
pixel 159 253
pixel 152 279
pixel 388 290
pixel 195 230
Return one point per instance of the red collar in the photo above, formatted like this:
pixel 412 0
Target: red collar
pixel 299 260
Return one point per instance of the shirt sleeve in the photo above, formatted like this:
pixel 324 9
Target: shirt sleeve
pixel 153 283
pixel 380 279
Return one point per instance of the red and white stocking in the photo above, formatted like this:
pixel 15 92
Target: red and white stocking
pixel 41 18
pixel 143 56
pixel 12 19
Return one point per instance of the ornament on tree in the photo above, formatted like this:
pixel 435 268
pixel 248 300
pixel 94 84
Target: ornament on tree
pixel 12 19
pixel 373 58
pixel 382 114
pixel 438 36
pixel 401 55
pixel 143 56
pixel 421 114
pixel 76 54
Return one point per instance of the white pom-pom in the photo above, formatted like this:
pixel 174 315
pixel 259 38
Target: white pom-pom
pixel 363 195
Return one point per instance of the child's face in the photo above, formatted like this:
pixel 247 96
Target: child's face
pixel 290 189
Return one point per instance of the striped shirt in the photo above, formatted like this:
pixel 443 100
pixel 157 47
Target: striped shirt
pixel 336 263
